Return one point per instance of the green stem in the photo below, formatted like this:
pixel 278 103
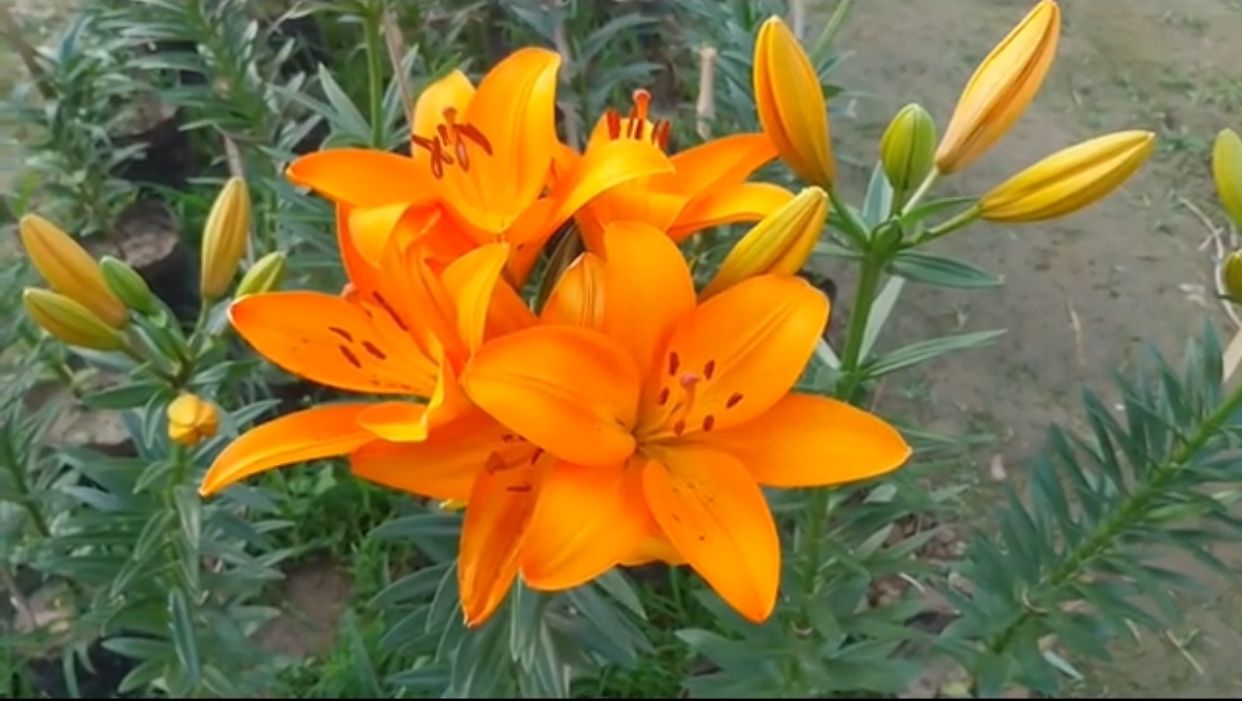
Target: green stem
pixel 961 219
pixel 824 40
pixel 1132 509
pixel 864 297
pixel 813 534
pixel 932 176
pixel 24 496
pixel 375 67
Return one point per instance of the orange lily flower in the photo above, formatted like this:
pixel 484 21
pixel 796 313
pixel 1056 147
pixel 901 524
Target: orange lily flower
pixel 483 156
pixel 403 332
pixel 665 420
pixel 705 188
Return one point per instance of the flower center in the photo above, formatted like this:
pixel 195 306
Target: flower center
pixel 680 402
pixel 635 126
pixel 448 146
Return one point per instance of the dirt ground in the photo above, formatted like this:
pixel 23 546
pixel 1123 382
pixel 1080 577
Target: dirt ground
pixel 1082 294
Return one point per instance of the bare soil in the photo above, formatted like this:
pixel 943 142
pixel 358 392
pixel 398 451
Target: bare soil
pixel 1084 294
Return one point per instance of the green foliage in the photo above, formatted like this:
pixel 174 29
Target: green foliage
pixel 1078 559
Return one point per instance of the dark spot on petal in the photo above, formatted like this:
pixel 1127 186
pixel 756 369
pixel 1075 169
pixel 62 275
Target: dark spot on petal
pixel 494 462
pixel 702 539
pixel 519 488
pixel 349 355
pixel 342 333
pixel 374 350
pixel 673 363
pixel 663 396
pixel 733 400
pixel 538 454
pixel 679 427
pixel 708 422
pixel 388 308
pixel 507 437
pixel 709 369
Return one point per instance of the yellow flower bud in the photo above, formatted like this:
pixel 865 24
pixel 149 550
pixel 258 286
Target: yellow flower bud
pixel 1001 88
pixel 70 270
pixel 791 104
pixel 1231 276
pixel 1227 171
pixel 264 276
pixel 780 243
pixel 224 238
pixel 128 285
pixel 69 321
pixel 1069 179
pixel 192 419
pixel 908 146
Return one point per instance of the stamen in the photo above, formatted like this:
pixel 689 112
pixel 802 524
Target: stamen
pixel 613 118
pixel 642 100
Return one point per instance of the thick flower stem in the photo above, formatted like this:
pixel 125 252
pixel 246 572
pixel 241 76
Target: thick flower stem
pixel 1132 510
pixel 864 297
pixel 375 69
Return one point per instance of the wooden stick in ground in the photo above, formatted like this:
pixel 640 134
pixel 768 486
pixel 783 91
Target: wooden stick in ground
pixel 12 33
pixel 705 107
pixel 395 43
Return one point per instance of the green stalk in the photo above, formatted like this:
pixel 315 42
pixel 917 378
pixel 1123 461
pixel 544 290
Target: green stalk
pixel 824 40
pixel 864 297
pixel 959 220
pixel 932 176
pixel 1132 509
pixel 375 68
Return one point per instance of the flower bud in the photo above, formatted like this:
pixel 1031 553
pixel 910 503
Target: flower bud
pixel 578 297
pixel 1001 88
pixel 224 238
pixel 264 276
pixel 69 321
pixel 1069 179
pixel 128 285
pixel 791 104
pixel 1227 171
pixel 908 147
pixel 191 419
pixel 1231 276
pixel 70 270
pixel 780 243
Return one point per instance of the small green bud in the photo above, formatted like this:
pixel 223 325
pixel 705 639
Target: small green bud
pixel 1231 275
pixel 908 147
pixel 264 276
pixel 126 283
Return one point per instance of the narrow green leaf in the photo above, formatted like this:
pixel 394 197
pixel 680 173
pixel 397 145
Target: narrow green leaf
pixel 418 526
pixel 923 351
pixel 881 308
pixel 190 514
pixel 417 585
pixel 346 113
pixel 184 641
pixel 128 395
pixel 618 587
pixel 941 271
pixel 931 208
pixel 878 201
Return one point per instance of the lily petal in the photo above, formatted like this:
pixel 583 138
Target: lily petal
pixel 471 283
pixel 604 167
pixel 363 177
pixel 634 201
pixel 360 271
pixel 647 290
pixel 329 340
pixel 609 517
pixel 720 162
pixel 742 202
pixel 444 466
pixel 514 109
pixel 734 356
pixel 810 441
pixel 321 432
pixel 578 297
pixel 499 509
pixel 716 516
pixel 569 390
